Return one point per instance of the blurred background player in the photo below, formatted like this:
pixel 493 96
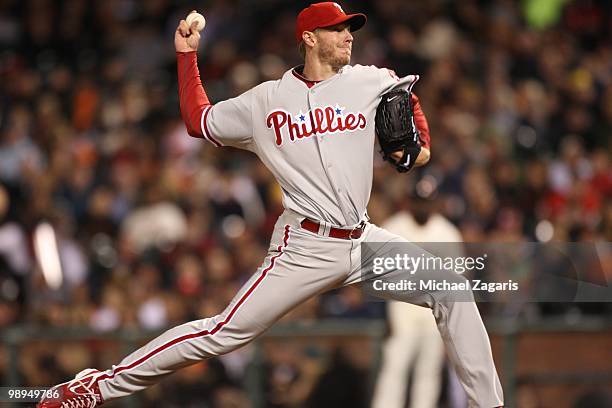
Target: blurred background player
pixel 414 352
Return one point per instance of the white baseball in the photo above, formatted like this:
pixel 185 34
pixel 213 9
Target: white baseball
pixel 198 18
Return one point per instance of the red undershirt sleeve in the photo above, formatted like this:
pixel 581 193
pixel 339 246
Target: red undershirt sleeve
pixel 421 122
pixel 192 97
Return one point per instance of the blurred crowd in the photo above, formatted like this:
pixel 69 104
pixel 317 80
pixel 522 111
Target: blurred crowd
pixel 155 228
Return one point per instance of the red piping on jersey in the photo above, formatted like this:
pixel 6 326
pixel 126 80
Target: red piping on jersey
pixel 203 333
pixel 204 127
pixel 309 83
pixel 192 97
pixel 421 122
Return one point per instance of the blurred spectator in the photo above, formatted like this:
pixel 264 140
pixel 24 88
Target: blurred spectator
pixel 343 384
pixel 13 240
pixel 594 399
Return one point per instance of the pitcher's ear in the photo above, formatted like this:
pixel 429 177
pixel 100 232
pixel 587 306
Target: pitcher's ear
pixel 309 38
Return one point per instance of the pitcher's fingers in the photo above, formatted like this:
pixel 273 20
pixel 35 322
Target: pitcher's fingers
pixel 183 29
pixel 194 27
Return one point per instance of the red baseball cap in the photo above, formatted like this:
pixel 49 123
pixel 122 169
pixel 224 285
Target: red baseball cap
pixel 326 14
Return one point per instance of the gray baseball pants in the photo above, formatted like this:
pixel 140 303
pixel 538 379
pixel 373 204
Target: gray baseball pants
pixel 301 264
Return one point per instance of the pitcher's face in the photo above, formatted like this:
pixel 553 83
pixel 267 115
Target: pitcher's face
pixel 334 45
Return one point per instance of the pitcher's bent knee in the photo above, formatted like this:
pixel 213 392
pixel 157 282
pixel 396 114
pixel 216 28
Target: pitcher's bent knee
pixel 220 344
pixel 216 336
pixel 451 287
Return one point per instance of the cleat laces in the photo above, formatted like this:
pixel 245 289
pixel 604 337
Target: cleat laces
pixel 88 401
pixel 84 394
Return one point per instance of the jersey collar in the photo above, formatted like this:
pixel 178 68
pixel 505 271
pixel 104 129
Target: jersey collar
pixel 298 73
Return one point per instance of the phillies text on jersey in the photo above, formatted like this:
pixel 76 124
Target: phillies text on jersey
pixel 320 120
pixel 317 141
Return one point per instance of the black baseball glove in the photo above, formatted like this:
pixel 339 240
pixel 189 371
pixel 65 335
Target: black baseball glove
pixel 396 129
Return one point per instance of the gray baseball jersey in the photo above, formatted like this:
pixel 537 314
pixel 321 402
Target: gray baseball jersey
pixel 318 142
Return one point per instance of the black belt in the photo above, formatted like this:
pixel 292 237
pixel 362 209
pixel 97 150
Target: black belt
pixel 341 233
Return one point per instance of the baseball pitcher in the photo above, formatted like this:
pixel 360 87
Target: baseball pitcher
pixel 314 129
